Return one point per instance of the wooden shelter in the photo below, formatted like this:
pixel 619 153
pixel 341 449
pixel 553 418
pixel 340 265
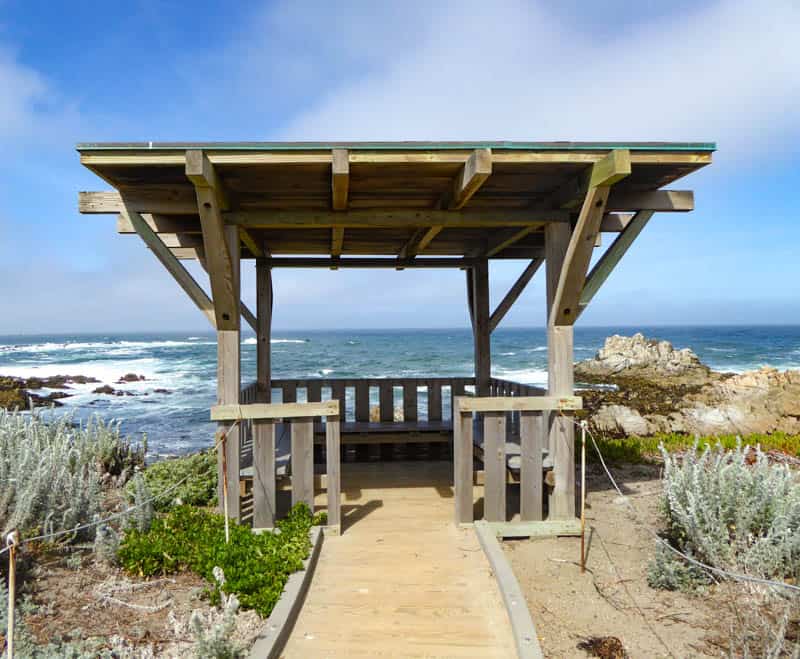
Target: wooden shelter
pixel 395 205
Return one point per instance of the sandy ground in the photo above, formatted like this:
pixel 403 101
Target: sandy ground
pixel 612 598
pixel 149 615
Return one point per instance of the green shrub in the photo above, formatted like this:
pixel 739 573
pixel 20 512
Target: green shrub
pixel 199 488
pixel 732 510
pixel 256 566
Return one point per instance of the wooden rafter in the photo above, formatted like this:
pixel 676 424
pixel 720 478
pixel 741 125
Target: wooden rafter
pixel 210 201
pixel 337 241
pixel 173 266
pixel 513 293
pixel 340 179
pixel 472 176
pixel 663 201
pixel 572 275
pixel 249 242
pixel 368 262
pixel 612 256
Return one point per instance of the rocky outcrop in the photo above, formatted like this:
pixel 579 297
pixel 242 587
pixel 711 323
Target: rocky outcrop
pixel 639 357
pixel 18 393
pixel 656 388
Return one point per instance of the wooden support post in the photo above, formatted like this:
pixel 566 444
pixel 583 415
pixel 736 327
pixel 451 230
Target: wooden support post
pixel 264 505
pixel 561 432
pixel 264 331
pixel 480 329
pixel 434 401
pixel 531 432
pixel 303 461
pixel 333 485
pixel 410 400
pixel 229 386
pixel 462 464
pixel 494 464
pixel 386 401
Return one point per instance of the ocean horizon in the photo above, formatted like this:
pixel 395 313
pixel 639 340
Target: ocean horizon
pixel 184 364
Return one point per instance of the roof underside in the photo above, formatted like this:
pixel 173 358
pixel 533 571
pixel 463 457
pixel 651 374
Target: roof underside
pixel 459 199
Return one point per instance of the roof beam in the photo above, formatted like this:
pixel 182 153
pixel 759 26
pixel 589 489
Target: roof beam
pixel 210 201
pixel 612 256
pixel 472 176
pixel 173 266
pixel 396 218
pixel 249 242
pixel 367 262
pixel 579 251
pixel 513 293
pixel 340 179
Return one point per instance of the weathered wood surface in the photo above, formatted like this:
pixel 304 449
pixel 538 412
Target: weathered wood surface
pixel 273 410
pixel 401 580
pixel 532 435
pixel 303 462
pixel 519 403
pixel 264 502
pixel 494 464
pixel 480 327
pixel 264 331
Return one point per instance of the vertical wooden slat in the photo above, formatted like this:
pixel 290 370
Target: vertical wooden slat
pixel 386 401
pixel 532 429
pixel 362 400
pixel 303 461
pixel 263 474
pixel 494 464
pixel 409 400
pixel 289 391
pixel 332 440
pixel 338 393
pixel 314 391
pixel 434 400
pixel 462 465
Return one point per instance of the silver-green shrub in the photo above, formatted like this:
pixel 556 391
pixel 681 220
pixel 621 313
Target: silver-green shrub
pixel 51 472
pixel 732 510
pixel 213 637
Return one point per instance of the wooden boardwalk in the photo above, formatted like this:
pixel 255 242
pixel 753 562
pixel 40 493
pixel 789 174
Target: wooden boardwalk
pixel 402 580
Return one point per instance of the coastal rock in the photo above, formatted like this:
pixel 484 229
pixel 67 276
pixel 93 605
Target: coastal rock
pixel 661 389
pixel 105 389
pixel 639 357
pixel 131 377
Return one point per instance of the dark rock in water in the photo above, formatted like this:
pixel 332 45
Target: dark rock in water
pixel 161 391
pixel 131 377
pixel 105 389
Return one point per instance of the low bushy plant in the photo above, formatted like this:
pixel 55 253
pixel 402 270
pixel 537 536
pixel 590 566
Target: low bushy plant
pixel 198 472
pixel 732 510
pixel 256 566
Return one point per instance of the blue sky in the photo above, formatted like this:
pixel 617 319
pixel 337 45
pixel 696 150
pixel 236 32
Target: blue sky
pixel 82 71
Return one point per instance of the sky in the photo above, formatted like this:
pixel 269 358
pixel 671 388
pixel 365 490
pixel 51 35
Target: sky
pixel 725 72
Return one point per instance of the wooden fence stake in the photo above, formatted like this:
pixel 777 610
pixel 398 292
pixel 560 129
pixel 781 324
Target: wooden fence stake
pixel 583 496
pixel 12 540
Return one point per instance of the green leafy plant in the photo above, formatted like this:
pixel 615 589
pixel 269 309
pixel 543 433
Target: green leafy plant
pixel 198 489
pixel 256 566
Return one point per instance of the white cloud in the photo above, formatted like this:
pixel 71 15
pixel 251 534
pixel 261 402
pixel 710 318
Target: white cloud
pixel 23 89
pixel 727 72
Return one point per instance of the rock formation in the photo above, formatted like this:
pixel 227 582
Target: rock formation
pixel 657 388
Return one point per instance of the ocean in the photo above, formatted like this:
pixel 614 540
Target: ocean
pixel 185 365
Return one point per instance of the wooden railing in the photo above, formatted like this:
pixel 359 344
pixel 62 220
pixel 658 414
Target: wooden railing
pixel 532 439
pixel 259 420
pixel 415 399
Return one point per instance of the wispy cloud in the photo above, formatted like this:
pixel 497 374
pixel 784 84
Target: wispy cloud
pixel 515 70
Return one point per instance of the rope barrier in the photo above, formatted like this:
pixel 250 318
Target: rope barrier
pixel 713 570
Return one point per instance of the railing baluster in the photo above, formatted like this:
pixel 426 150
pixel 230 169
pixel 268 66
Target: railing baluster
pixel 333 484
pixel 531 445
pixel 303 461
pixel 494 461
pixel 263 474
pixel 409 400
pixel 434 400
